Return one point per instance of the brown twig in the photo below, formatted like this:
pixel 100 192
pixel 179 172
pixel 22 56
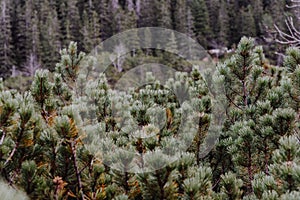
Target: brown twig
pixel 73 150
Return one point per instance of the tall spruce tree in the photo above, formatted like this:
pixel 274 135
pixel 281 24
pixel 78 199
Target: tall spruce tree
pixel 257 6
pixel 6 50
pixel 33 43
pixel 72 23
pixel 147 13
pixel 224 26
pixel 213 11
pixel 19 38
pixel 247 22
pixel 50 36
pixel 180 16
pixel 90 31
pixel 201 19
pixel 163 10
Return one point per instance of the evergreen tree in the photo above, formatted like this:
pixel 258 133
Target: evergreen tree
pixel 50 36
pixel 223 22
pixel 213 11
pixel 147 13
pixel 256 98
pixel 163 10
pixel 201 19
pixel 172 44
pixel 247 22
pixel 276 10
pixel 72 136
pixel 292 86
pixel 128 18
pixel 104 14
pixel 19 38
pixel 91 31
pixel 258 11
pixel 282 182
pixel 6 51
pixel 72 23
pixel 32 40
pixel 180 16
pixel 234 16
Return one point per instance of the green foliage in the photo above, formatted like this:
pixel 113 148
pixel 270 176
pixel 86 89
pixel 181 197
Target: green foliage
pixel 292 83
pixel 50 36
pixel 257 115
pixel 39 29
pixel 201 22
pixel 231 186
pixel 6 47
pixel 64 139
pixel 248 22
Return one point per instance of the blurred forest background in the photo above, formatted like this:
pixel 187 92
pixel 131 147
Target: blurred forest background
pixel 34 31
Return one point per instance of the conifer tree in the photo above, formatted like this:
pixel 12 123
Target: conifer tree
pixel 172 44
pixel 292 86
pixel 6 53
pixel 34 53
pixel 224 26
pixel 247 22
pixel 72 23
pixel 257 6
pixel 74 137
pixel 163 9
pixel 50 36
pixel 234 16
pixel 125 19
pixel 283 180
pixel 147 13
pixel 91 31
pixel 231 187
pixel 256 97
pixel 276 9
pixel 213 8
pixel 180 15
pixel 19 39
pixel 105 19
pixel 201 19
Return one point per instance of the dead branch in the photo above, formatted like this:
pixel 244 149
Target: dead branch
pixel 292 37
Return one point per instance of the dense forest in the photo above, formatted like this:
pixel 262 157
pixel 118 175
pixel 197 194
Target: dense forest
pixel 33 32
pixel 226 127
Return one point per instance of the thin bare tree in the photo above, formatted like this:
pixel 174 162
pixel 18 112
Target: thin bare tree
pixel 31 65
pixel 292 35
pixel 118 57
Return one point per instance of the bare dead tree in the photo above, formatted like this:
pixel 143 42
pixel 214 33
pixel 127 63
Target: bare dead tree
pixel 118 57
pixel 31 65
pixel 295 6
pixel 292 36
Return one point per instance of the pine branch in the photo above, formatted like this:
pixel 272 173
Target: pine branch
pixel 11 154
pixel 231 101
pixel 17 144
pixel 3 137
pixel 73 150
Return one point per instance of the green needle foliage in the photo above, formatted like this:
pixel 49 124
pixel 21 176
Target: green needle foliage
pixel 72 136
